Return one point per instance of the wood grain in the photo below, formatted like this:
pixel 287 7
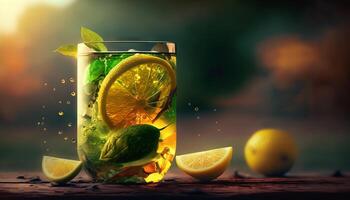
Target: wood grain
pixel 34 186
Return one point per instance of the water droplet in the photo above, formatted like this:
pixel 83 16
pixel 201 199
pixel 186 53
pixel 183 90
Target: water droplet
pixel 44 129
pixel 43 106
pixel 45 84
pixel 60 102
pixel 219 130
pixel 189 104
pixel 196 109
pixel 214 109
pixel 216 122
pixel 199 135
pixel 71 79
pixel 60 132
pixel 65 138
pixel 42 118
pixel 54 89
pixel 69 124
pixel 198 117
pixel 63 81
pixel 74 140
pixel 38 123
pixel 47 149
pixel 68 102
pixel 61 113
pixel 42 123
pixel 72 93
pixel 44 142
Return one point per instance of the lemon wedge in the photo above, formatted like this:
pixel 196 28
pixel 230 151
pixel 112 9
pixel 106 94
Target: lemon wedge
pixel 60 170
pixel 205 165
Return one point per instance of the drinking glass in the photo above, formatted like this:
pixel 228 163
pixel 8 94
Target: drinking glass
pixel 126 110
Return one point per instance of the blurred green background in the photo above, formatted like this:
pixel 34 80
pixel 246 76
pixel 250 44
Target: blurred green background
pixel 246 65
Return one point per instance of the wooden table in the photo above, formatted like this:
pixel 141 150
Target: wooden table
pixel 34 186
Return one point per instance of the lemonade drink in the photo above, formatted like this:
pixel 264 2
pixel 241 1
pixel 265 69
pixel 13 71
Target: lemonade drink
pixel 127 112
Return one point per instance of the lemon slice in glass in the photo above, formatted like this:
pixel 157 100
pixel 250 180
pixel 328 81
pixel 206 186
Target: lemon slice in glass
pixel 60 170
pixel 136 91
pixel 205 165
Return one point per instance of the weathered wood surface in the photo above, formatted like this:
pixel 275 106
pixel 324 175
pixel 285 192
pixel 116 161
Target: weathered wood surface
pixel 34 186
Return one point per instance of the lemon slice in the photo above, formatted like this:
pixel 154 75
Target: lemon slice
pixel 136 91
pixel 60 170
pixel 205 165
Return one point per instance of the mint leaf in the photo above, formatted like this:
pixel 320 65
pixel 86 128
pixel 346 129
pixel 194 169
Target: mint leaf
pixel 96 69
pixel 67 50
pixel 111 63
pixel 131 144
pixel 92 39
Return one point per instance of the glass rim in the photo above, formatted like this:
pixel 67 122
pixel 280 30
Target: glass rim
pixel 131 41
pixel 169 46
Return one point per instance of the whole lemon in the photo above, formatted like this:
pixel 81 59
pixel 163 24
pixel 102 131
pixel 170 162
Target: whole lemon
pixel 270 152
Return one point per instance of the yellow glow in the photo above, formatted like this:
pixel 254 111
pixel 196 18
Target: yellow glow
pixel 11 10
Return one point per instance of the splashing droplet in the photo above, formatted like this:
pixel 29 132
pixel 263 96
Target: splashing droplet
pixel 65 138
pixel 60 132
pixel 74 140
pixel 72 93
pixel 71 79
pixel 69 124
pixel 61 113
pixel 196 109
pixel 63 81
pixel 68 102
